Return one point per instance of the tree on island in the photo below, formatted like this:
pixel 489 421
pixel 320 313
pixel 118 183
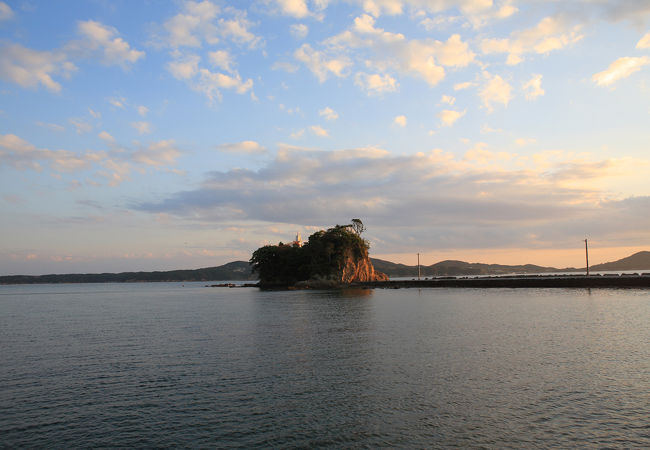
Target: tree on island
pixel 337 254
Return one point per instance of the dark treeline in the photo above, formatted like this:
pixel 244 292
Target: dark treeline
pixel 237 270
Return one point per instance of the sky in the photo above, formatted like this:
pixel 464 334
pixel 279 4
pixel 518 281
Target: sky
pixel 159 135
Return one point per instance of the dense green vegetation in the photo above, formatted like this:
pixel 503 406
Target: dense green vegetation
pixel 322 257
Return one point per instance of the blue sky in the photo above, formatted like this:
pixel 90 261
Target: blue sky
pixel 181 134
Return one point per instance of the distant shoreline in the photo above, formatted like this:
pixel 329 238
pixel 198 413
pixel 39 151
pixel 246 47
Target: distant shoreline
pixel 635 280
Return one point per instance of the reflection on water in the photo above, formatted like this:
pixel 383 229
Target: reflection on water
pixel 160 365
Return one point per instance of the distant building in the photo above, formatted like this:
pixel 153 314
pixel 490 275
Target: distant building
pixel 298 242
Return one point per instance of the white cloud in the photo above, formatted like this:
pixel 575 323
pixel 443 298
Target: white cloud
pixel 51 126
pixel 95 114
pixel 116 50
pixel 211 84
pixel 644 42
pixel 142 127
pixel 31 68
pixel 524 141
pixel 243 147
pixel 237 29
pixel 184 66
pixel 161 153
pixel 106 136
pixel 143 110
pixel 448 117
pixel 319 131
pixel 328 113
pixel 400 121
pixel 118 102
pixel 619 69
pixel 194 24
pixel 393 51
pixel 22 155
pixel 533 87
pixel 287 67
pixel 464 85
pixel 81 126
pixel 448 99
pixel 5 11
pixel 294 8
pixel 299 30
pixel 375 83
pixel 495 90
pixel 206 22
pixel 222 59
pixel 551 33
pixel 320 64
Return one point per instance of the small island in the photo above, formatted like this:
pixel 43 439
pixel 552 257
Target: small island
pixel 330 258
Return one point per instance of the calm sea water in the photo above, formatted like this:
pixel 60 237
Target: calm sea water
pixel 157 365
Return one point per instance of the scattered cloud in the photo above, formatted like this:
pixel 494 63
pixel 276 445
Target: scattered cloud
pixel 551 33
pixel 103 38
pixel 533 87
pixel 5 12
pixel 376 84
pixel 320 64
pixel 81 126
pixel 157 154
pixel 143 110
pixel 193 25
pixel 118 102
pixel 448 117
pixel 299 30
pixel 286 66
pixel 222 59
pixel 525 141
pixel 464 85
pixel 400 121
pixel 319 131
pixel 184 66
pixel 211 84
pixel 243 147
pixel 495 90
pixel 393 51
pixel 142 127
pixel 644 42
pixel 448 99
pixel 21 154
pixel 207 22
pixel 328 113
pixel 294 8
pixel 31 68
pixel 51 126
pixel 619 69
pixel 105 136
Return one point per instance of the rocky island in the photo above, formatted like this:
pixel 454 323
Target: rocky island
pixel 330 258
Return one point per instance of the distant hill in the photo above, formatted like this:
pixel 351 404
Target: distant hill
pixel 637 261
pixel 241 270
pixel 236 270
pixel 455 268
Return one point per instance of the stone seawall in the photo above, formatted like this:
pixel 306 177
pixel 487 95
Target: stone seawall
pixel 539 281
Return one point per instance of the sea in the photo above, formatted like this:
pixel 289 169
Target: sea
pixel 142 365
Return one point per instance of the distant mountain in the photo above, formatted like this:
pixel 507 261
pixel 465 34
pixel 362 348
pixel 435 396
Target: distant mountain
pixel 637 261
pixel 236 270
pixel 241 270
pixel 455 268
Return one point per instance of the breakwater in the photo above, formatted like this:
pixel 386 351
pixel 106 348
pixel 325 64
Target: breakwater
pixel 520 281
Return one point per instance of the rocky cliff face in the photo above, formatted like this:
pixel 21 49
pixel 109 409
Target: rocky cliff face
pixel 355 269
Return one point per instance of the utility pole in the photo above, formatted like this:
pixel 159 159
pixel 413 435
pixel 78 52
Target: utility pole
pixel 587 256
pixel 418 266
